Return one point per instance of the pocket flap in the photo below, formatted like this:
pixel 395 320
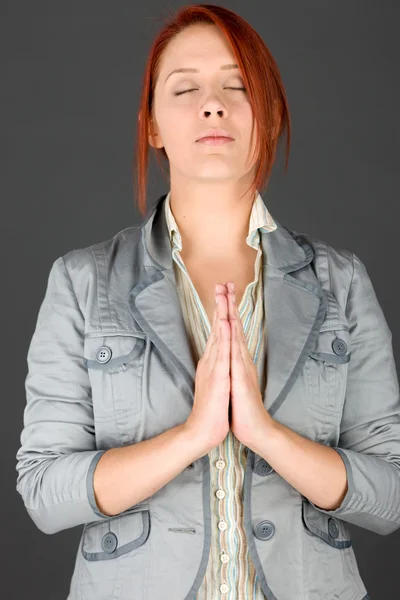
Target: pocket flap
pixel 330 529
pixel 107 539
pixel 109 351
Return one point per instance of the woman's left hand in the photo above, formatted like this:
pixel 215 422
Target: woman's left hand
pixel 249 416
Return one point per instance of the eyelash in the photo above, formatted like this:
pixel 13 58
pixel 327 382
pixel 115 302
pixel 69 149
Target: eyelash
pixel 229 88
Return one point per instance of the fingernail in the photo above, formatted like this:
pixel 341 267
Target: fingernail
pixel 234 298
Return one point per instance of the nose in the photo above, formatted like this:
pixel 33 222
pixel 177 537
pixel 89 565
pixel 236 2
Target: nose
pixel 219 112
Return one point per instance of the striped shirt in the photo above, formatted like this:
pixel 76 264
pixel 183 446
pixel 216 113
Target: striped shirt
pixel 230 572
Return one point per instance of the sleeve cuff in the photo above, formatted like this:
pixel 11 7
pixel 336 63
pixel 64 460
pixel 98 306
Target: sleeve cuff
pixel 90 486
pixel 350 500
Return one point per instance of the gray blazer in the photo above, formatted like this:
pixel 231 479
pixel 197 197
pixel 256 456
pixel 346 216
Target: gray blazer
pixel 110 365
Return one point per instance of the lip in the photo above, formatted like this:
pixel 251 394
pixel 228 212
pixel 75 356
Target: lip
pixel 215 140
pixel 217 133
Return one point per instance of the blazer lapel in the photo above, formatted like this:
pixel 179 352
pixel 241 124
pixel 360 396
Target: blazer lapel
pixel 294 305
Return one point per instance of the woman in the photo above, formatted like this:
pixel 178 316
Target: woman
pixel 202 462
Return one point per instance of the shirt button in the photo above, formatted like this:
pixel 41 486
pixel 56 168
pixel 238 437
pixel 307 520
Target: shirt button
pixel 223 588
pixel 220 494
pixel 224 558
pixel 222 525
pixel 220 464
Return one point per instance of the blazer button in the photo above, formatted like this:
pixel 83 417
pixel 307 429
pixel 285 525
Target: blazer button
pixel 264 530
pixel 339 346
pixel 109 542
pixel 333 528
pixel 103 354
pixel 262 468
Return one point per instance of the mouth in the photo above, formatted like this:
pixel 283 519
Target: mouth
pixel 215 140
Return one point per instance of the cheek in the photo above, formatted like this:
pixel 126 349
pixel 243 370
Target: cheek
pixel 177 127
pixel 244 119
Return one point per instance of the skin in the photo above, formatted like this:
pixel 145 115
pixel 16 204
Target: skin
pixel 207 185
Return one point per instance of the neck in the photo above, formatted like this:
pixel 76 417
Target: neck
pixel 213 220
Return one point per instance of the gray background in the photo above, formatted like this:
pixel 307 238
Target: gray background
pixel 71 77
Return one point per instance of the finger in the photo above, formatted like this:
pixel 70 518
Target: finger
pixel 238 340
pixel 223 342
pixel 234 318
pixel 223 350
pixel 223 295
pixel 211 351
pixel 232 312
pixel 212 338
pixel 238 320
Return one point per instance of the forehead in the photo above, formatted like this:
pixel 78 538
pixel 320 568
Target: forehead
pixel 195 45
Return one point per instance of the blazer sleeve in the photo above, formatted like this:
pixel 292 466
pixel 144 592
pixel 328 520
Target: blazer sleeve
pixel 369 442
pixel 58 454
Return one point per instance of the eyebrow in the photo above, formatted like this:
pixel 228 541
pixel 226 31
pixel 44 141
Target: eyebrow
pixel 191 70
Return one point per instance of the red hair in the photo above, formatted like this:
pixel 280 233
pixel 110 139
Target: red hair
pixel 261 77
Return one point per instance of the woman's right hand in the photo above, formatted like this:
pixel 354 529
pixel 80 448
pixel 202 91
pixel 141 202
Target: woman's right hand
pixel 209 419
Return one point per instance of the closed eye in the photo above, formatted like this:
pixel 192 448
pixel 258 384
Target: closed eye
pixel 192 89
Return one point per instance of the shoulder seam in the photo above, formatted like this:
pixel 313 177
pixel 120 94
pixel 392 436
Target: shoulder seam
pixel 351 280
pixel 72 286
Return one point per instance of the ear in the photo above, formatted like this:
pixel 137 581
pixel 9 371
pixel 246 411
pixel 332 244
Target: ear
pixel 154 136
